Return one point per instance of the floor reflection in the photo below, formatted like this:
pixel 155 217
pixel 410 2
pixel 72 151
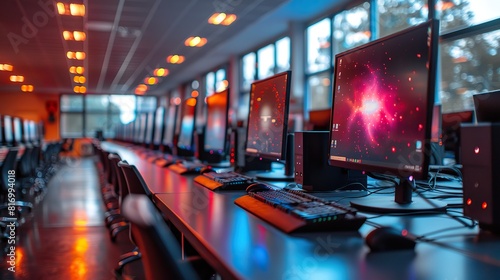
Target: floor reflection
pixel 67 239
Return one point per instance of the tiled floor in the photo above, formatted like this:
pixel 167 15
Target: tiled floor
pixel 66 238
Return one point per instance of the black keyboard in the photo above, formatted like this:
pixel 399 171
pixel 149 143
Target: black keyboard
pixel 296 211
pixel 224 181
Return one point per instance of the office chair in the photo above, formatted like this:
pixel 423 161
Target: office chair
pixel 9 164
pixel 113 218
pixel 134 254
pixel 137 186
pixel 160 251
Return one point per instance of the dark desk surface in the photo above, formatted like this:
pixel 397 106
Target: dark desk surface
pixel 240 245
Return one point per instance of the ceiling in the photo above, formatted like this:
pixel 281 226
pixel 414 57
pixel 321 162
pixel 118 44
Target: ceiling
pixel 127 39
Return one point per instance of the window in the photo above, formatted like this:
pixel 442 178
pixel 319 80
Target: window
pixel 319 87
pixel 265 58
pixel 351 28
pixel 249 62
pixel 470 65
pixel 318 46
pixel 83 115
pixel 262 63
pixel 396 15
pixel 282 55
pixel 469 44
pixel 455 15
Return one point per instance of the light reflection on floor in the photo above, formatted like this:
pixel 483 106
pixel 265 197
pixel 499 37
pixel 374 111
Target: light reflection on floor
pixel 67 238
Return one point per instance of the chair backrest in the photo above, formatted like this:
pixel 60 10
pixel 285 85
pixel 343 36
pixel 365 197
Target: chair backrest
pixel 8 163
pixel 119 177
pixel 113 174
pixel 135 182
pixel 161 253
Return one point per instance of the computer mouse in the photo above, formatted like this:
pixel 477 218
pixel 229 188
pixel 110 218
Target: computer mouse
pixel 388 239
pixel 258 187
pixel 206 169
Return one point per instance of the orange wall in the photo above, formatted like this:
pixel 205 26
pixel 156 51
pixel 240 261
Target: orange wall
pixel 32 106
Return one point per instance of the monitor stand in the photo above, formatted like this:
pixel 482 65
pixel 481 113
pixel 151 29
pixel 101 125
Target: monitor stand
pixel 288 173
pixel 403 201
pixel 278 175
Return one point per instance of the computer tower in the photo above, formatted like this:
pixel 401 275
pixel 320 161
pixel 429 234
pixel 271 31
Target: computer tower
pixel 481 184
pixel 312 170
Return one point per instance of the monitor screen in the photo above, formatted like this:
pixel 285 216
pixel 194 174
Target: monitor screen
pixel 18 133
pixel 186 132
pixel 143 118
pixel 26 131
pixel 169 130
pixel 268 117
pixel 137 128
pixel 8 131
pixel 148 137
pixel 159 117
pixel 217 122
pixel 383 95
pixel 32 131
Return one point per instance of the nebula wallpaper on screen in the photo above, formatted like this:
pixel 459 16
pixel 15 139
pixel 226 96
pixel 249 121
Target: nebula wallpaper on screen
pixel 380 101
pixel 267 116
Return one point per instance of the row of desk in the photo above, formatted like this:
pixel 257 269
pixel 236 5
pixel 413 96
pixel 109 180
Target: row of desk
pixel 241 246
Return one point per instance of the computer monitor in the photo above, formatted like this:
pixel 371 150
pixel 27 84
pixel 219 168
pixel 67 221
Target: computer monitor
pixel 26 131
pixel 158 127
pixel 267 125
pixel 383 94
pixel 8 131
pixel 18 130
pixel 32 131
pixel 148 136
pixel 185 144
pixel 169 130
pixel 216 136
pixel 486 106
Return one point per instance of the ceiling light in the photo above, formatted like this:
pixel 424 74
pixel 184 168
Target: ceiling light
pixel 141 89
pixel 27 88
pixel 175 59
pixel 75 55
pixel 74 36
pixel 71 9
pixel 195 93
pixel 160 72
pixel 77 70
pixel 79 79
pixel 222 18
pixel 80 89
pixel 6 67
pixel 195 41
pixel 77 9
pixel 151 80
pixel 17 78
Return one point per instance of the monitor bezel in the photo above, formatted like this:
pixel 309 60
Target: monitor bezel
pixel 169 127
pixel 282 155
pixel 187 150
pixel 17 131
pixel 158 126
pixel 150 126
pixel 225 144
pixel 431 91
pixel 8 138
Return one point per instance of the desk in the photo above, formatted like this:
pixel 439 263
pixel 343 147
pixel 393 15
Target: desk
pixel 240 245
